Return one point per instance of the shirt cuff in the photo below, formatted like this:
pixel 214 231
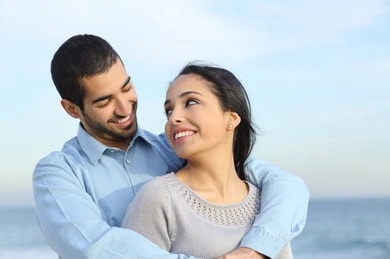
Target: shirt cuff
pixel 262 242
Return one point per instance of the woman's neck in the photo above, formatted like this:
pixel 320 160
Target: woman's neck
pixel 213 180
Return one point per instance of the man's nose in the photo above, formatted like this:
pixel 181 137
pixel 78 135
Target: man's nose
pixel 123 107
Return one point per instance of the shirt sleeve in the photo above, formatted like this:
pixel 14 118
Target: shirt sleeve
pixel 284 204
pixel 72 222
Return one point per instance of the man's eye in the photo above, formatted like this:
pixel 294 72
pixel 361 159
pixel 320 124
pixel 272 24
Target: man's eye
pixel 102 103
pixel 127 88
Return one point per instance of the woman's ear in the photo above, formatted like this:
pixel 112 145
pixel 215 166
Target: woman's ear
pixel 71 108
pixel 233 120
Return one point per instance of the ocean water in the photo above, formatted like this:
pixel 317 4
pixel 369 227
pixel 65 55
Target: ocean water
pixel 335 229
pixel 345 229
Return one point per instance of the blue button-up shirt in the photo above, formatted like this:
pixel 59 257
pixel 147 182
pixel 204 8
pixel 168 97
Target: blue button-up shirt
pixel 82 193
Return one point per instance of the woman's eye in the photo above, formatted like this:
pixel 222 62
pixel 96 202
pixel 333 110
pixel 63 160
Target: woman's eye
pixel 191 102
pixel 168 112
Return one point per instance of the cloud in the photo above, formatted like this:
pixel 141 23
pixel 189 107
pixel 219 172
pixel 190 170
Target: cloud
pixel 173 32
pixel 298 24
pixel 158 31
pixel 309 82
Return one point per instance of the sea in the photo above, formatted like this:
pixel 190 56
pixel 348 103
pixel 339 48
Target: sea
pixel 335 229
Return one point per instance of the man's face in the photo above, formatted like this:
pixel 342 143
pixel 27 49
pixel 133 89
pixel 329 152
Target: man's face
pixel 110 106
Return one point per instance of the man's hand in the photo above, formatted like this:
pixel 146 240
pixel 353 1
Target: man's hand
pixel 242 253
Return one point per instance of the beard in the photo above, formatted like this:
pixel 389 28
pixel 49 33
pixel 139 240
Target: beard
pixel 102 131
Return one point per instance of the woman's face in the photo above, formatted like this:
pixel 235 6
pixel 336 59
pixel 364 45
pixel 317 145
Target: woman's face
pixel 196 122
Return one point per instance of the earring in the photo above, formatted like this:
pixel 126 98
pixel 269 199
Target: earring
pixel 230 126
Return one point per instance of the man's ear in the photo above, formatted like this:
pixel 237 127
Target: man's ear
pixel 71 108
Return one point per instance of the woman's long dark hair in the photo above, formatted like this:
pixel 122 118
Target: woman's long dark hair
pixel 232 97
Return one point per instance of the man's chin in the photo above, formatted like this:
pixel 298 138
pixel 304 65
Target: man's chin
pixel 130 131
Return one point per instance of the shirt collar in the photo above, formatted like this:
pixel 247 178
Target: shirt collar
pixel 95 149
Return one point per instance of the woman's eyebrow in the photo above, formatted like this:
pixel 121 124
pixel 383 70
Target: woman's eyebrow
pixel 183 95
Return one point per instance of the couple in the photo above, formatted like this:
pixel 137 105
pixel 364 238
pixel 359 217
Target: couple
pixel 82 192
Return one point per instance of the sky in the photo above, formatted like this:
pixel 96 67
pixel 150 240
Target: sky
pixel 317 72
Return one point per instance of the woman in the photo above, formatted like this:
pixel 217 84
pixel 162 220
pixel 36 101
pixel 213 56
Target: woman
pixel 205 208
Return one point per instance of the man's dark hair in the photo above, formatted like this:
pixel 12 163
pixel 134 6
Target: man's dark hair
pixel 78 57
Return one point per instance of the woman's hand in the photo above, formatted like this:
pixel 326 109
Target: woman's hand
pixel 242 253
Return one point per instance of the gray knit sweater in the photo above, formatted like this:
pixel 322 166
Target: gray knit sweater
pixel 171 215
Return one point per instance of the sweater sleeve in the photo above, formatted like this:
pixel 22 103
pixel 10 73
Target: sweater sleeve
pixel 150 213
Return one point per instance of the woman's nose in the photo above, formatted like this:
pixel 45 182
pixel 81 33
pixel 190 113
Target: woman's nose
pixel 175 116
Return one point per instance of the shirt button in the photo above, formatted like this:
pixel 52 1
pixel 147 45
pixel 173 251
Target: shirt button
pixel 127 161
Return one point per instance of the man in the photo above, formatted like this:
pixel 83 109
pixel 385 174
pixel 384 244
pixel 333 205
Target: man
pixel 82 192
